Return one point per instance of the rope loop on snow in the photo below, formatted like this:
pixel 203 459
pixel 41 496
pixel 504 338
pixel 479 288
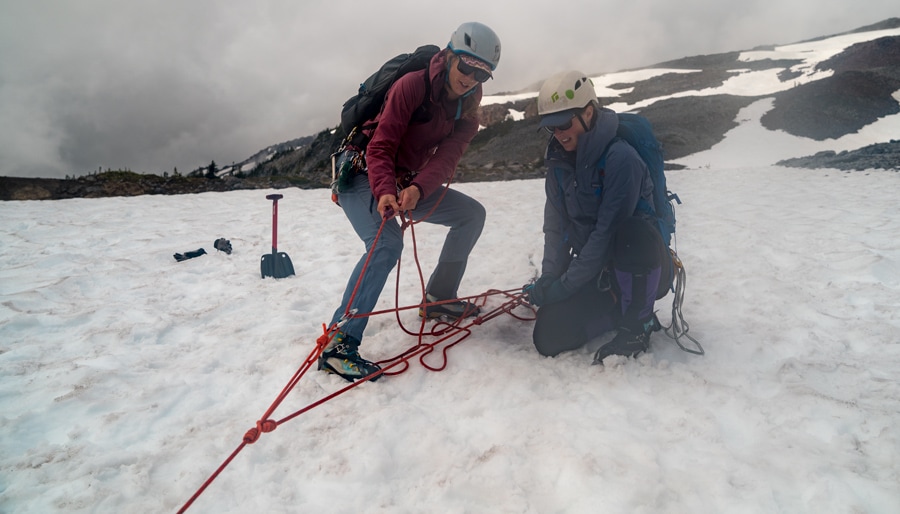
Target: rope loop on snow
pixel 447 334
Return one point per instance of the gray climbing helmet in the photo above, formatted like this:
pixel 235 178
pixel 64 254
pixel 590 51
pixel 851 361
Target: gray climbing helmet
pixel 477 40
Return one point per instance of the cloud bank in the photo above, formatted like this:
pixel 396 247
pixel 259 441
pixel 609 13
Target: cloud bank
pixel 151 88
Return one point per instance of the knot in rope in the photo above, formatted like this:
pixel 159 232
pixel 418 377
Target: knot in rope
pixel 253 434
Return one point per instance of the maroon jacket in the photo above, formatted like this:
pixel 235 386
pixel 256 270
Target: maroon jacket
pixel 430 149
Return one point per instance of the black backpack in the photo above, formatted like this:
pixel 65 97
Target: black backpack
pixel 367 103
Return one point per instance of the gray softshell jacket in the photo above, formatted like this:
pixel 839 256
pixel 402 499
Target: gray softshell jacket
pixel 585 204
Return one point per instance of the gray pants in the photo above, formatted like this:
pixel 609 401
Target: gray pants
pixel 463 214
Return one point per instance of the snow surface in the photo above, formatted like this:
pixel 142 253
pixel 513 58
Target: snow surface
pixel 128 378
pixel 813 52
pixel 750 144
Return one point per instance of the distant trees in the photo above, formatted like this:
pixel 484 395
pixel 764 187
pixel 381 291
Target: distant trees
pixel 212 170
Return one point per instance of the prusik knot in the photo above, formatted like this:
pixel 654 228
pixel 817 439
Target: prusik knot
pixel 253 434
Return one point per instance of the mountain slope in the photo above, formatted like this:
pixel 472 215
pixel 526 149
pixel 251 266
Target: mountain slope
pixel 823 89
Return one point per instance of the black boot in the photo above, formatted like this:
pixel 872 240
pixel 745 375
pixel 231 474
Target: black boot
pixel 443 285
pixel 630 341
pixel 453 310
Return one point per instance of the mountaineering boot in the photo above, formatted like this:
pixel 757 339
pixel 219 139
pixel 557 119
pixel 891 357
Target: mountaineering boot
pixel 629 342
pixel 341 357
pixel 443 285
pixel 453 310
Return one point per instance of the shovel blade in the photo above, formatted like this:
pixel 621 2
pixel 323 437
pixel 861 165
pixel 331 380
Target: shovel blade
pixel 276 265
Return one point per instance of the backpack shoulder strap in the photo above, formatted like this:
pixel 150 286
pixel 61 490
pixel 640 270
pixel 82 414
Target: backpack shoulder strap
pixel 601 164
pixel 643 205
pixel 362 134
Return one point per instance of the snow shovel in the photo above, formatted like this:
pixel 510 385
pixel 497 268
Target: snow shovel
pixel 276 264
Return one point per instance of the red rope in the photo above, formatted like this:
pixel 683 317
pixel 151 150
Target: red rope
pixel 456 331
pixel 264 424
pixel 362 272
pixel 448 331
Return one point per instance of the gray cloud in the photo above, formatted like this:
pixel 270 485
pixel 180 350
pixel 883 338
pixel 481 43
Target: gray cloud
pixel 111 84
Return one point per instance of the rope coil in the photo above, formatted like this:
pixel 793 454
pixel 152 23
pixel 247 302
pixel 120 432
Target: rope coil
pixel 679 327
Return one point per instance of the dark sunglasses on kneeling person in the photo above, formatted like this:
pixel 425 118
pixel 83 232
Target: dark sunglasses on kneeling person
pixel 565 126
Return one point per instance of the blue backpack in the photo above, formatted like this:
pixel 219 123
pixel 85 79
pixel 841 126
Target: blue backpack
pixel 637 132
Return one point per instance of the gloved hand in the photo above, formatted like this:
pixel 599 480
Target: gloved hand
pixel 545 291
pixel 529 289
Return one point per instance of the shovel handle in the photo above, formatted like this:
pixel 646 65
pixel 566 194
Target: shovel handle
pixel 274 199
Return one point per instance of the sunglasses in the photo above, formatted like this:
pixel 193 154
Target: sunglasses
pixel 465 69
pixel 565 126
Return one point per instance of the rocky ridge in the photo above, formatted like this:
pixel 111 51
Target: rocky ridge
pixel 877 156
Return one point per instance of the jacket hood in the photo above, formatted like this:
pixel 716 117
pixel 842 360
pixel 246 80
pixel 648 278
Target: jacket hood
pixel 437 72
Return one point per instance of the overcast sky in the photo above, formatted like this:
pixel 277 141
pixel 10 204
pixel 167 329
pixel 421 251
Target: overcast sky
pixel 151 86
